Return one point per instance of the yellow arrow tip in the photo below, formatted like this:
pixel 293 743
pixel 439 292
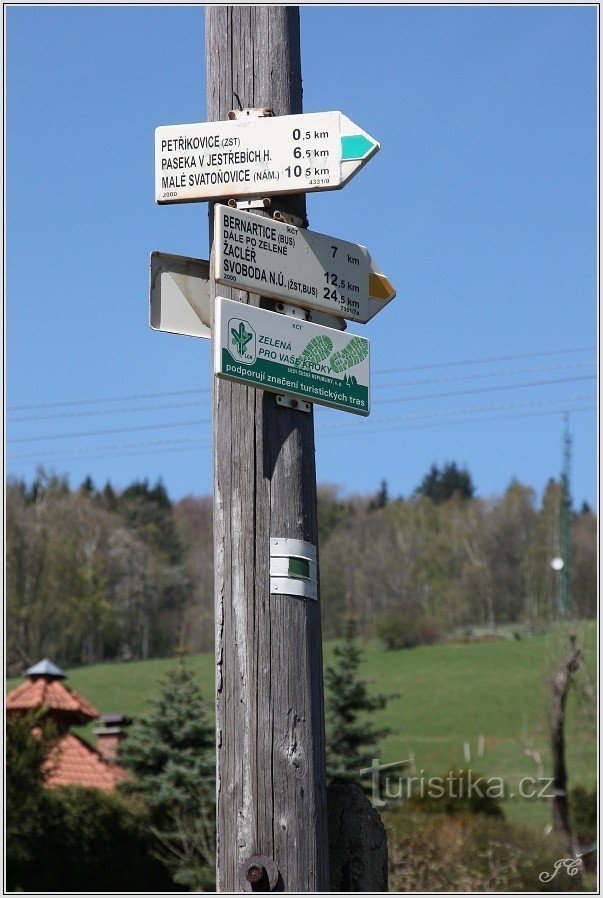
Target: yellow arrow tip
pixel 380 287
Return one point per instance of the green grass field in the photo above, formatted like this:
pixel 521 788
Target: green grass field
pixel 448 695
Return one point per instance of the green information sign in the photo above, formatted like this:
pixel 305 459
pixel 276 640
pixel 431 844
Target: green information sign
pixel 291 356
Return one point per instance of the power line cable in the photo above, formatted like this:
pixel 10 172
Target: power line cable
pixel 459 411
pixel 95 433
pixel 85 449
pixel 197 443
pixel 497 358
pixel 380 430
pixel 110 411
pixel 366 422
pixel 33 439
pixel 134 396
pixel 451 378
pixel 130 398
pixel 406 383
pixel 538 383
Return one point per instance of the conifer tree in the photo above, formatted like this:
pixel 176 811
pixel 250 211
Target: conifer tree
pixel 439 486
pixel 170 754
pixel 87 485
pixel 27 763
pixel 352 738
pixel 109 499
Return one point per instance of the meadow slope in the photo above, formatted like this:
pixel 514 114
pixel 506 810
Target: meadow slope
pixel 448 695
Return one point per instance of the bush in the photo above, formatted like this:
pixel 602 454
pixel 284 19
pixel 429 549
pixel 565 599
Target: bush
pixel 26 757
pixel 439 853
pixel 70 839
pixel 464 792
pixel 91 840
pixel 583 813
pixel 400 631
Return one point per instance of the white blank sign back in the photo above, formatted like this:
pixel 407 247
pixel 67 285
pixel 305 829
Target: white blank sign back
pixel 180 302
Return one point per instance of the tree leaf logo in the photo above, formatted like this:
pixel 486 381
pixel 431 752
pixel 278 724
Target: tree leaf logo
pixel 240 338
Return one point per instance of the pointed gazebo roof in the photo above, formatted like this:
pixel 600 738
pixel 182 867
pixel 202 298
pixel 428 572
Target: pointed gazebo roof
pixel 72 762
pixel 44 691
pixel 46 668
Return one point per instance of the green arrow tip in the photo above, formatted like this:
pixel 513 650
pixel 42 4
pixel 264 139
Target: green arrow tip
pixel 356 146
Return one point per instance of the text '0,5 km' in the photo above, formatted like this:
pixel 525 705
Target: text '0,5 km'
pixel 299 266
pixel 258 156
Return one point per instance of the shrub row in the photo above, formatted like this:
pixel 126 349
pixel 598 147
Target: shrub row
pixel 87 840
pixel 399 631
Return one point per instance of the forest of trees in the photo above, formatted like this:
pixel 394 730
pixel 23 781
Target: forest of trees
pixel 94 574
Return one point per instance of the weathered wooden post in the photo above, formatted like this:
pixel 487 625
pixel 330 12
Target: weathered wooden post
pixel 271 789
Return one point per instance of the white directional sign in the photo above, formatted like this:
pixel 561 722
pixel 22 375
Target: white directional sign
pixel 180 302
pixel 258 156
pixel 292 356
pixel 296 265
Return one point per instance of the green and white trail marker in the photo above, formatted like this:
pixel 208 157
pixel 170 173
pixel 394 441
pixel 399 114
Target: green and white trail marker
pixel 291 356
pixel 258 156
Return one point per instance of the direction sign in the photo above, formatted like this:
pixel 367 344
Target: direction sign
pixel 179 302
pixel 258 156
pixel 291 356
pixel 302 267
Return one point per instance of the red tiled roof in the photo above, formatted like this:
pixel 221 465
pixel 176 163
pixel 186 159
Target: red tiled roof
pixel 51 694
pixel 74 763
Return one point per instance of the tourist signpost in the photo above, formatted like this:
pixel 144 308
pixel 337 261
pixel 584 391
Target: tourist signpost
pixel 258 156
pixel 298 266
pixel 270 764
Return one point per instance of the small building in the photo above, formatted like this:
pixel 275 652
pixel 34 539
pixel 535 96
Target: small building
pixel 72 761
pixel 110 733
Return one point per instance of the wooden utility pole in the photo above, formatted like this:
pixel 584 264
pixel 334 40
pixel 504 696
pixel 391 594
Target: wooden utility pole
pixel 271 789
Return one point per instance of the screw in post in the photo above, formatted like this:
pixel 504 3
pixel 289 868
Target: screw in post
pixel 258 874
pixel 254 874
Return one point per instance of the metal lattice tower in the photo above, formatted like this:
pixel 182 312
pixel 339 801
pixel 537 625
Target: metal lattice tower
pixel 565 599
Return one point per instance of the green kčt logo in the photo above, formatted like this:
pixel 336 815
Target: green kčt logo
pixel 242 340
